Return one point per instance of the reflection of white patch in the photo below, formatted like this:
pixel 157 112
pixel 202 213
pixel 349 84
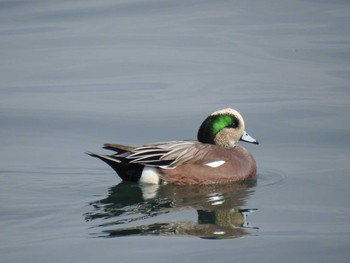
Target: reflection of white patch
pixel 215 163
pixel 218 202
pixel 149 175
pixel 216 199
pixel 149 191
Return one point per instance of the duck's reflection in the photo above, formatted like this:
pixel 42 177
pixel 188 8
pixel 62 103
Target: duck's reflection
pixel 135 209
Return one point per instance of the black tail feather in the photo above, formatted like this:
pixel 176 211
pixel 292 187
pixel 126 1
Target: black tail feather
pixel 126 171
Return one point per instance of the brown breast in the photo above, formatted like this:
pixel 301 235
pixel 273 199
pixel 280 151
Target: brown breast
pixel 239 165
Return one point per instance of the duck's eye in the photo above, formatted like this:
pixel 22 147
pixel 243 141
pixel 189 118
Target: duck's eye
pixel 234 123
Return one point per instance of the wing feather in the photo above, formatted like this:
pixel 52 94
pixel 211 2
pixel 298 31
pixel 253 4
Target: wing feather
pixel 165 154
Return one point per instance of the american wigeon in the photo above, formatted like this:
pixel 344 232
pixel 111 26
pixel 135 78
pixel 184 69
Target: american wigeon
pixel 214 158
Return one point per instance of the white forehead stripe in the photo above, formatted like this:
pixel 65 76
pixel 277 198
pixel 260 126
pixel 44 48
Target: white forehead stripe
pixel 226 111
pixel 215 163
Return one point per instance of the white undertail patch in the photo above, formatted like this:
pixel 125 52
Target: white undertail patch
pixel 150 175
pixel 215 163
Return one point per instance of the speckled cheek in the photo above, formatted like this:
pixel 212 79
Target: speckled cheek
pixel 227 138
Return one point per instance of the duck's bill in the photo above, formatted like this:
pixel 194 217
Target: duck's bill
pixel 247 138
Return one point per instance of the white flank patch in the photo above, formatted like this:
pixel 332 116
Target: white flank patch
pixel 215 163
pixel 149 176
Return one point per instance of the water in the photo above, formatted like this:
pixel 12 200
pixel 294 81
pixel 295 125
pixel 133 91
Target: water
pixel 74 75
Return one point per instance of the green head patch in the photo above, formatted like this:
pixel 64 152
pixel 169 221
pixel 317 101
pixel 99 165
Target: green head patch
pixel 214 124
pixel 223 121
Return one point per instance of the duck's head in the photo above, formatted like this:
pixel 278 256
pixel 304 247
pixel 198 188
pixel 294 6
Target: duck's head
pixel 224 128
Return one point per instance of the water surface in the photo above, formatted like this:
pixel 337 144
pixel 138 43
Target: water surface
pixel 76 75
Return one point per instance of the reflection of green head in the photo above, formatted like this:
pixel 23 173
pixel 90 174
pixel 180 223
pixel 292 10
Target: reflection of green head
pixel 214 124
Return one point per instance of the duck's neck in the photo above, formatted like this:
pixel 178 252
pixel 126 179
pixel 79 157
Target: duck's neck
pixel 205 133
pixel 224 139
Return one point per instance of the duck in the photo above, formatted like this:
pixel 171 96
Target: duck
pixel 214 158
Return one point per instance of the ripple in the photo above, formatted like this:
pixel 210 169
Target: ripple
pixel 269 177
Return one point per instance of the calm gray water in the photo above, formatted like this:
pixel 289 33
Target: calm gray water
pixel 77 74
